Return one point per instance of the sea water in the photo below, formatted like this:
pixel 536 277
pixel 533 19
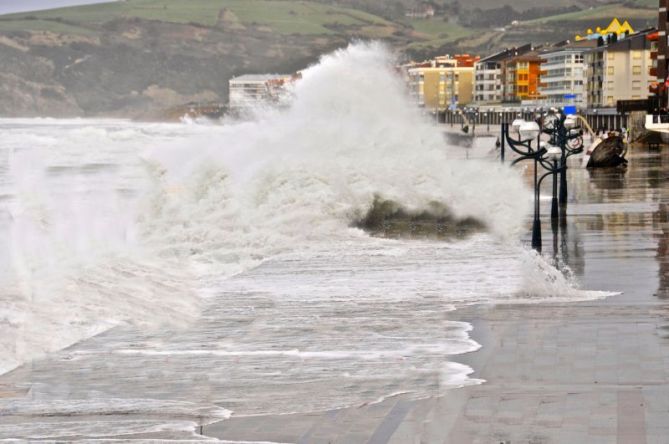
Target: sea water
pixel 161 276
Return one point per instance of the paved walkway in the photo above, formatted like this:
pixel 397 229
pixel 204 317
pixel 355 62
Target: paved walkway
pixel 593 372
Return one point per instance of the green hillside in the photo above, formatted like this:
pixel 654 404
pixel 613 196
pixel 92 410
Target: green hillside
pixel 601 13
pixel 137 58
pixel 283 17
pixel 451 28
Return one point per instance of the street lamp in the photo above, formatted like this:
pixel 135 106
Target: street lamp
pixel 527 132
pixel 554 155
pixel 564 133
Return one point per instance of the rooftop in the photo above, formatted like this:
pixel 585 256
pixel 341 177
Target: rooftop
pixel 507 53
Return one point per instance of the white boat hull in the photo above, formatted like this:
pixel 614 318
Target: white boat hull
pixel 657 123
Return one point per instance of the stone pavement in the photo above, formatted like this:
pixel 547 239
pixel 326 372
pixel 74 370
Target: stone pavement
pixel 593 372
pixel 590 372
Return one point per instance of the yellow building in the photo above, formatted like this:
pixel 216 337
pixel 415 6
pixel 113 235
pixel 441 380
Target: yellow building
pixel 615 27
pixel 443 82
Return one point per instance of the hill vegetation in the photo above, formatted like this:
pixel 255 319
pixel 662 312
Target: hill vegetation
pixel 139 57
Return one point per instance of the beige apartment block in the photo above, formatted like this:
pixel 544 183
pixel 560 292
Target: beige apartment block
pixel 618 69
pixel 439 88
pixel 443 82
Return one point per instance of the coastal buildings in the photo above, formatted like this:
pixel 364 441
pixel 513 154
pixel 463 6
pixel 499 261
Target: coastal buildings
pixel 563 75
pixel 253 90
pixel 489 72
pixel 521 78
pixel 442 82
pixel 660 56
pixel 619 69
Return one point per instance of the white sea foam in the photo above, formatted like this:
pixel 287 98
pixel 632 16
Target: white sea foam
pixel 241 236
pixel 57 419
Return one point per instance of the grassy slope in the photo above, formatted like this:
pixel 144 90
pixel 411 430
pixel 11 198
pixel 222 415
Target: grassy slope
pixel 283 17
pixel 436 32
pixel 601 13
pixel 302 17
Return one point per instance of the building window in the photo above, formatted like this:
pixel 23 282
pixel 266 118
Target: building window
pixel 611 70
pixel 636 55
pixel 636 70
pixel 636 84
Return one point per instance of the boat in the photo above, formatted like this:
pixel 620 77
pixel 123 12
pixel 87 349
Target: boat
pixel 658 123
pixel 606 151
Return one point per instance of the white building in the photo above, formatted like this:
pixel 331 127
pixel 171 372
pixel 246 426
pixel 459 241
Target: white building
pixel 488 81
pixel 489 75
pixel 619 70
pixel 564 76
pixel 253 90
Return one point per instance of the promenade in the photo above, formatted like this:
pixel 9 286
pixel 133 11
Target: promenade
pixel 593 372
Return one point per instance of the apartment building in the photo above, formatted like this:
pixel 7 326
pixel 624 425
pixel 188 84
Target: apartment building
pixel 488 85
pixel 619 69
pixel 659 54
pixel 564 75
pixel 443 82
pixel 521 77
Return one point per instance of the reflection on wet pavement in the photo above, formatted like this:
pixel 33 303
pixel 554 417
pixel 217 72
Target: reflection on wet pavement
pixel 617 232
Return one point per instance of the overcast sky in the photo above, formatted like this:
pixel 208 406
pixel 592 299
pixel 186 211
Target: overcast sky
pixel 10 6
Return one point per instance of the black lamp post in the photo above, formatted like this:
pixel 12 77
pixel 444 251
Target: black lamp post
pixel 523 146
pixel 546 155
pixel 552 162
pixel 563 133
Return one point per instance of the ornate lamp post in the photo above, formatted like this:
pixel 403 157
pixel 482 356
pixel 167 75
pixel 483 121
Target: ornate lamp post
pixel 546 155
pixel 552 162
pixel 564 134
pixel 527 133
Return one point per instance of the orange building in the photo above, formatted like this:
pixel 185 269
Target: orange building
pixel 522 78
pixel 466 60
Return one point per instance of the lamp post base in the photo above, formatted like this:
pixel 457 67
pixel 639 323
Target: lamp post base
pixel 563 186
pixel 536 235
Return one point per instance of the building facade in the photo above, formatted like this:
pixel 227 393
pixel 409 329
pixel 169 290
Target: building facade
pixel 659 54
pixel 443 82
pixel 619 69
pixel 489 75
pixel 521 78
pixel 564 76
